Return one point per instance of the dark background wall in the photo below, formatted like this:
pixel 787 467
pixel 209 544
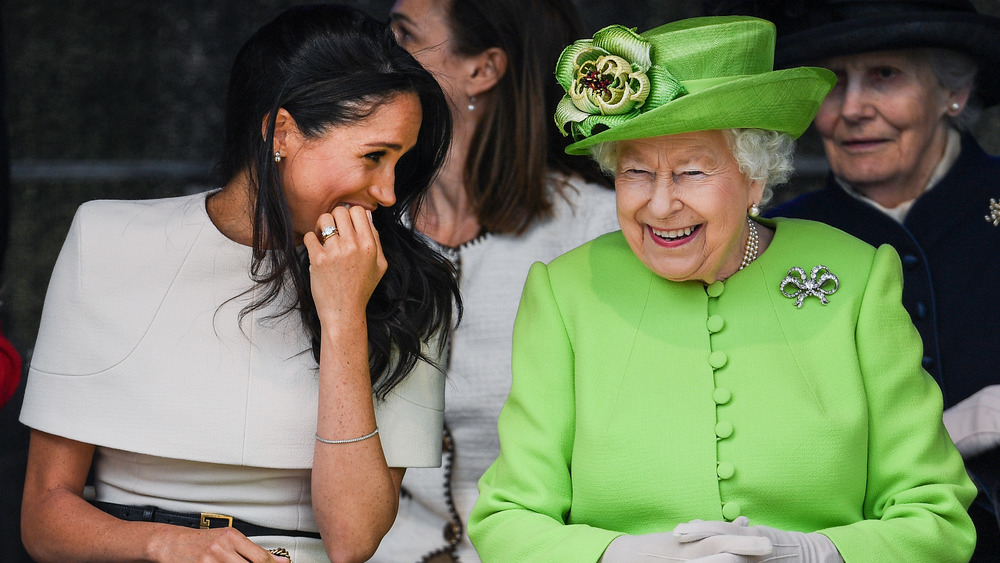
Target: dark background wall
pixel 123 99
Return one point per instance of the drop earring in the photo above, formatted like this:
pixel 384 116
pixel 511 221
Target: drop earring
pixel 754 210
pixel 472 103
pixel 277 156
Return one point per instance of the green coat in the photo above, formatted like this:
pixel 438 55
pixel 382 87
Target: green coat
pixel 639 403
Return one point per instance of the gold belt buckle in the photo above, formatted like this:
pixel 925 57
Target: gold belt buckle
pixel 208 517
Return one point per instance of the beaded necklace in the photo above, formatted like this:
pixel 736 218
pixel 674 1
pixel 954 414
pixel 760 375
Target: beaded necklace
pixel 750 252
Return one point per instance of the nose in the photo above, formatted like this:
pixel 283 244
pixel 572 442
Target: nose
pixel 664 199
pixel 383 189
pixel 856 103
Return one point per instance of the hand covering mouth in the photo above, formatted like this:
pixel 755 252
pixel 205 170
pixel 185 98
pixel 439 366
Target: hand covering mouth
pixel 675 234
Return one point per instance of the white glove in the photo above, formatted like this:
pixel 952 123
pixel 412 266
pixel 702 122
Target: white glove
pixel 666 547
pixel 789 547
pixel 974 424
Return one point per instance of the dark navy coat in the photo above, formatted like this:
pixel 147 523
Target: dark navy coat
pixel 951 276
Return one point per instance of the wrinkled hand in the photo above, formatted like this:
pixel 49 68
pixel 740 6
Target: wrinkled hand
pixel 345 269
pixel 789 547
pixel 664 547
pixel 209 546
pixel 974 423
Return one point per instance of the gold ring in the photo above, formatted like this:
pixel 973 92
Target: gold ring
pixel 328 232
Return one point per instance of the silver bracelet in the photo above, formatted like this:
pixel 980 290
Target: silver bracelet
pixel 349 440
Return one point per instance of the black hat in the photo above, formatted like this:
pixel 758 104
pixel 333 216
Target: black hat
pixel 809 30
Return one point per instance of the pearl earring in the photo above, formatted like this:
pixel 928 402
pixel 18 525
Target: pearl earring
pixel 955 106
pixel 277 156
pixel 472 103
pixel 754 210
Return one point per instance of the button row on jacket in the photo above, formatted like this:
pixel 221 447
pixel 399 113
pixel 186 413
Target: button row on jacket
pixel 731 510
pixel 715 289
pixel 722 395
pixel 724 429
pixel 717 359
pixel 725 470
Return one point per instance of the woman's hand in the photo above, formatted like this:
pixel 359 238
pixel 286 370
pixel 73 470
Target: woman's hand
pixel 219 545
pixel 57 524
pixel 974 423
pixel 789 547
pixel 354 491
pixel 345 268
pixel 671 546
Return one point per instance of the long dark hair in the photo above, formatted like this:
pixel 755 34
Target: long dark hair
pixel 330 65
pixel 516 142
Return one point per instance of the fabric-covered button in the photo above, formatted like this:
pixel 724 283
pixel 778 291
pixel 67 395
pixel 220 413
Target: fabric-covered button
pixel 731 510
pixel 715 323
pixel 724 429
pixel 717 359
pixel 927 362
pixel 725 470
pixel 722 395
pixel 715 289
pixel 920 311
pixel 909 261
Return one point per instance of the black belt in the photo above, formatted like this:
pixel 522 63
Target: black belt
pixel 202 521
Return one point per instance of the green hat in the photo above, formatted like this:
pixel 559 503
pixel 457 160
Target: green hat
pixel 696 74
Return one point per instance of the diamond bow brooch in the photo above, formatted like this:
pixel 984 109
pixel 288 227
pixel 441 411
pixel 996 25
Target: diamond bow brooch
pixel 813 285
pixel 994 216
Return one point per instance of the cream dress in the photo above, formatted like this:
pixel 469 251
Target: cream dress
pixel 141 351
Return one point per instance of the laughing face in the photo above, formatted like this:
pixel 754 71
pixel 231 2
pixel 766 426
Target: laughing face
pixel 351 164
pixel 682 204
pixel 883 125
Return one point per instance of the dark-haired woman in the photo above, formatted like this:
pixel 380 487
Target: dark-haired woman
pixel 254 359
pixel 507 196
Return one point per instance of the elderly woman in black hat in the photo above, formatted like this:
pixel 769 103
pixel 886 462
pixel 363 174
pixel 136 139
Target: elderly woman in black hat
pixel 705 384
pixel 913 76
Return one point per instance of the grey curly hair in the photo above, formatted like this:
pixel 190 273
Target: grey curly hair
pixel 761 155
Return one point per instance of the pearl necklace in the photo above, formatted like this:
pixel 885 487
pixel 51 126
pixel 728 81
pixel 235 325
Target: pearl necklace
pixel 750 252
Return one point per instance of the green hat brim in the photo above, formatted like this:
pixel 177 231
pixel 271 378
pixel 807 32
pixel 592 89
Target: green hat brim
pixel 781 100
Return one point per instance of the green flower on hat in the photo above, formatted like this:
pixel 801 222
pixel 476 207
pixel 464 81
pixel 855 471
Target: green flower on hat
pixel 606 80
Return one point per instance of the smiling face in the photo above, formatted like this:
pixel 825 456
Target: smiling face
pixel 349 164
pixel 883 125
pixel 682 204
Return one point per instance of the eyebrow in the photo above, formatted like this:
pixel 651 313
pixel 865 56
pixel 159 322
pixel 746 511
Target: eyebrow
pixel 397 16
pixel 393 146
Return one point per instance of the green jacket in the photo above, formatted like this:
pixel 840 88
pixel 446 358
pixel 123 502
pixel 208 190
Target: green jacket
pixel 638 403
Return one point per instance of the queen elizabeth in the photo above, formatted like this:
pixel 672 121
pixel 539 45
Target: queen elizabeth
pixel 705 383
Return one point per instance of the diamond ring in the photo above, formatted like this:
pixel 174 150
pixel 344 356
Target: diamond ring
pixel 328 232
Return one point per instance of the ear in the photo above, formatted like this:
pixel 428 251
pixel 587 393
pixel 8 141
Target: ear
pixel 960 97
pixel 487 68
pixel 755 193
pixel 284 127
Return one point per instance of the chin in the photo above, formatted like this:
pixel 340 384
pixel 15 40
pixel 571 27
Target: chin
pixel 669 274
pixel 859 179
pixel 857 173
